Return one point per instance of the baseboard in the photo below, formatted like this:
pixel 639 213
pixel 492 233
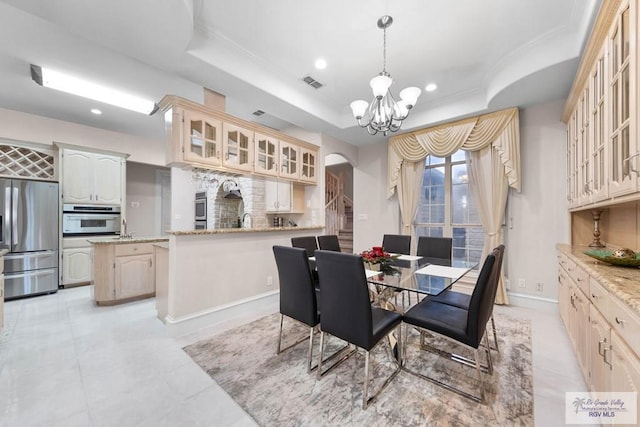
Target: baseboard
pixel 248 309
pixel 547 305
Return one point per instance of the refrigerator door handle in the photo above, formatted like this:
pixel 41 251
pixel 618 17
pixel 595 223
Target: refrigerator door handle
pixel 14 222
pixel 6 226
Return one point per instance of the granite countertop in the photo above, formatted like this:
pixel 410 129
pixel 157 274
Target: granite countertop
pixel 242 230
pixel 623 282
pixel 119 241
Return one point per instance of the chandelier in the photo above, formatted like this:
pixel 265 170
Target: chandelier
pixel 384 114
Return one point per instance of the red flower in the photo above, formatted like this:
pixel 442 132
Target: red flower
pixel 377 255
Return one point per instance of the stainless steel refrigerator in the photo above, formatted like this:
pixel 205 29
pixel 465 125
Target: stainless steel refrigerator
pixel 29 230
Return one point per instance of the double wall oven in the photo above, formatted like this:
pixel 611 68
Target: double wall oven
pixel 90 220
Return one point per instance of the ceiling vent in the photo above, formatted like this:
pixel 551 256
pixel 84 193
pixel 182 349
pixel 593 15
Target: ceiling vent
pixel 312 82
pixel 258 113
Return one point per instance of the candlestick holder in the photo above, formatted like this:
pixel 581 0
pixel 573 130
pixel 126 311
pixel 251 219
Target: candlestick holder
pixel 596 229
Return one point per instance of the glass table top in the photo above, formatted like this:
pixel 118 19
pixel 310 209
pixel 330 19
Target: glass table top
pixel 428 276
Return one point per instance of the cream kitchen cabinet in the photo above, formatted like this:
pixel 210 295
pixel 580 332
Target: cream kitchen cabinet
pixel 278 196
pixel 76 261
pixel 237 145
pixel 92 178
pixel 202 139
pixel 605 336
pixel 289 160
pixel 309 165
pixel 123 271
pixel 266 155
pixel 196 132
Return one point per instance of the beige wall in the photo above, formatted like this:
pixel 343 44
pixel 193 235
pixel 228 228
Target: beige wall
pixel 142 198
pixel 619 226
pixel 32 128
pixel 373 214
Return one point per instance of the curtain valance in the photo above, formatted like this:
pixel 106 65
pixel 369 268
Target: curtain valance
pixel 501 129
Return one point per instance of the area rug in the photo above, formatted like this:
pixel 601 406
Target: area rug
pixel 275 390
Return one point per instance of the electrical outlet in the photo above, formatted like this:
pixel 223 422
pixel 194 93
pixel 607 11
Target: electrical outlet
pixel 539 287
pixel 521 283
pixel 269 280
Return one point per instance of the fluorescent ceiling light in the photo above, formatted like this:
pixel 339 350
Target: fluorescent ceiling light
pixel 73 85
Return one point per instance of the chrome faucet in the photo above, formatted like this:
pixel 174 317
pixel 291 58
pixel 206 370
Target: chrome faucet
pixel 246 214
pixel 124 234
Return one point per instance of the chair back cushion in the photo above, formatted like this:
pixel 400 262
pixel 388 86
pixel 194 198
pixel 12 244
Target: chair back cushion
pixel 434 247
pixel 344 296
pixel 329 243
pixel 396 243
pixel 306 242
pixel 481 303
pixel 297 293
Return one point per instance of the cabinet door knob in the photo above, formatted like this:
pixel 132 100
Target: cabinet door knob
pixel 594 296
pixel 620 321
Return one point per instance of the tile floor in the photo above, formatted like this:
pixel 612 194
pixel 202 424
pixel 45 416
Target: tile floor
pixel 66 362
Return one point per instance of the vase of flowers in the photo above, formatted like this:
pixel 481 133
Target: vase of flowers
pixel 377 258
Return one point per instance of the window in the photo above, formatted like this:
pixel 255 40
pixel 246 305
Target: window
pixel 447 208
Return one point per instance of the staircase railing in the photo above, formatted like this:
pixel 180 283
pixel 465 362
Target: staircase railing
pixel 335 218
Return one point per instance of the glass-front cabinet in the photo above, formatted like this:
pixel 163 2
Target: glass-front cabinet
pixel 202 138
pixel 622 140
pixel 603 158
pixel 238 147
pixel 309 165
pixel 266 155
pixel 289 160
pixel 598 187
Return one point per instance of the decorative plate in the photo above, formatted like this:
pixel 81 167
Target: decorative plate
pixel 606 256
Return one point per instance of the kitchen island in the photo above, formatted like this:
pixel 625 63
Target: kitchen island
pixel 210 271
pixel 123 269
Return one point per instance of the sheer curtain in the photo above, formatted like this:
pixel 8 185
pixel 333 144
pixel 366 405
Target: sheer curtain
pixel 493 143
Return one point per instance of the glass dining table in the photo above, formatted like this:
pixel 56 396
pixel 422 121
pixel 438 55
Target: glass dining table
pixel 422 275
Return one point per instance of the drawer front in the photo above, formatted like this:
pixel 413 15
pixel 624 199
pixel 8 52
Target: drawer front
pixel 579 277
pixel 626 324
pixel 599 297
pixel 563 261
pixel 133 249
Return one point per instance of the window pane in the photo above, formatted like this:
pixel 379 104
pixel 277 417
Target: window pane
pixel 431 160
pixel 429 231
pixel 458 156
pixel 467 243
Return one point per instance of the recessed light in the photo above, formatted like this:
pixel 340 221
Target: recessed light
pixel 431 87
pixel 96 111
pixel 321 64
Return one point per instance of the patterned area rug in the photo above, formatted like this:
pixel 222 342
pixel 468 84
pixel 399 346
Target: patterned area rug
pixel 276 389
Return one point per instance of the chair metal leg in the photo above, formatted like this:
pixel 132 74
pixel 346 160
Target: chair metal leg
pixel 495 337
pixel 280 334
pixel 488 353
pixel 310 351
pixel 474 363
pixel 365 390
pixel 479 371
pixel 318 376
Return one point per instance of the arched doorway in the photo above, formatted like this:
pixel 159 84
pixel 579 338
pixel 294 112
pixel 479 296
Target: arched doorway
pixel 339 199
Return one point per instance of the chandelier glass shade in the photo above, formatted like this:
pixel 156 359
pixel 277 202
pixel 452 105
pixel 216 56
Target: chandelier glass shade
pixel 384 113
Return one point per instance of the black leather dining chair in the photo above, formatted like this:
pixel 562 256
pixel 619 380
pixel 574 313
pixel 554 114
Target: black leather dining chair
pixel 348 314
pixel 435 247
pixel 467 327
pixel 329 243
pixel 462 300
pixel 310 244
pixel 307 242
pixel 298 297
pixel 397 243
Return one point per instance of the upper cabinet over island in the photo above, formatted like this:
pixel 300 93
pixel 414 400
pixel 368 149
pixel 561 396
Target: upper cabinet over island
pixel 203 137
